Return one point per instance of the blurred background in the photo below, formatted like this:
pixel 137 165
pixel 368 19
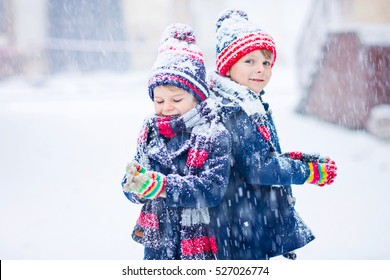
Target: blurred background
pixel 73 94
pixel 339 48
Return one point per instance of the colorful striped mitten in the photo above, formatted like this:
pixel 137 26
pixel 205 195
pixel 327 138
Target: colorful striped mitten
pixel 323 170
pixel 321 174
pixel 146 184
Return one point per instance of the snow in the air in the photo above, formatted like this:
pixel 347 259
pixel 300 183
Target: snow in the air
pixel 65 141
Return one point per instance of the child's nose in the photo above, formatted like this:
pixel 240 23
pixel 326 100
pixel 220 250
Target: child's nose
pixel 260 68
pixel 168 106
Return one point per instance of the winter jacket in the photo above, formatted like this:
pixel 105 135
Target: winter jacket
pixel 256 219
pixel 196 164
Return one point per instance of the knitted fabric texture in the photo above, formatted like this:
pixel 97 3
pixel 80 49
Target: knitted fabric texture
pixel 200 119
pixel 321 174
pixel 248 100
pixel 146 184
pixel 318 174
pixel 197 240
pixel 323 170
pixel 236 37
pixel 179 63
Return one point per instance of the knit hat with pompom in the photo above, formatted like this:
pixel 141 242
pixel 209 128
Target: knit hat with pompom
pixel 236 37
pixel 179 63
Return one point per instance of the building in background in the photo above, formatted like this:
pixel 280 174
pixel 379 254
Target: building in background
pixel 345 64
pixel 85 35
pixel 342 57
pixel 21 32
pixel 47 36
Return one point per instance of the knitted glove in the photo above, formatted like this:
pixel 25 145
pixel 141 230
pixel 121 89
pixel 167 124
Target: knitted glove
pixel 133 169
pixel 146 184
pixel 321 174
pixel 323 170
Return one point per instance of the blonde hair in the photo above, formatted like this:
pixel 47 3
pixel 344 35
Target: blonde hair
pixel 267 54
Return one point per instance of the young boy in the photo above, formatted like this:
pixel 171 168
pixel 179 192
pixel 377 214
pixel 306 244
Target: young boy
pixel 256 219
pixel 182 160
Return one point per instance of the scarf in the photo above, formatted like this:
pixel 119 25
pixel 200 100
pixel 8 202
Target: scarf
pixel 197 240
pixel 200 121
pixel 246 99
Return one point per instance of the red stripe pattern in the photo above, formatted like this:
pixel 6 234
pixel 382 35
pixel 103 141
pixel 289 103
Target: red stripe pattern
pixel 196 158
pixel 146 220
pixel 198 245
pixel 142 136
pixel 241 47
pixel 264 131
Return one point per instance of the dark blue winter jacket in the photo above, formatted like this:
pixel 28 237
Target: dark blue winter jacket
pixel 256 219
pixel 194 182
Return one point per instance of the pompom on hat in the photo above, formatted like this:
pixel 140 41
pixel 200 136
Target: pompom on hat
pixel 236 37
pixel 179 63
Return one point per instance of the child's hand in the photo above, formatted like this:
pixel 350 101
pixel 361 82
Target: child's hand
pixel 133 169
pixel 146 184
pixel 323 170
pixel 149 185
pixel 322 174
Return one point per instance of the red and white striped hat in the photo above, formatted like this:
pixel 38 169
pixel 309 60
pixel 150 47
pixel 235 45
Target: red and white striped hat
pixel 236 37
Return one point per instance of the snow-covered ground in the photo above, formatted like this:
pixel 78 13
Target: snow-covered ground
pixel 65 141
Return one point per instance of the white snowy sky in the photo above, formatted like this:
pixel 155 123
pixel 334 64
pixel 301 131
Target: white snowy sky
pixel 65 141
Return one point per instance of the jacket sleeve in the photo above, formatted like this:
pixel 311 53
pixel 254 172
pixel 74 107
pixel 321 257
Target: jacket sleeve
pixel 207 187
pixel 254 161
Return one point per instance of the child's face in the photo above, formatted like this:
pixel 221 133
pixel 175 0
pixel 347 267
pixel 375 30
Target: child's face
pixel 171 101
pixel 252 70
